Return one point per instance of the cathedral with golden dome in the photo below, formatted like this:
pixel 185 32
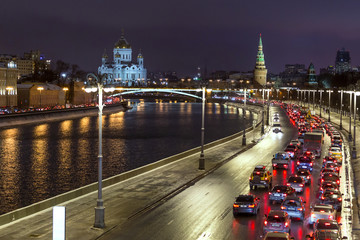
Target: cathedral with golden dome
pixel 122 71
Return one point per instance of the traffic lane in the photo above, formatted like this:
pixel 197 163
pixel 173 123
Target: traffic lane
pixel 205 209
pixel 299 229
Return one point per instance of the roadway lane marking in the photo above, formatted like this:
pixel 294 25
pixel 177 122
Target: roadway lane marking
pixel 170 222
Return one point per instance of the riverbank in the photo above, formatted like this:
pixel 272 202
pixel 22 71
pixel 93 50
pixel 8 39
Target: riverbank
pixel 10 120
pixel 148 185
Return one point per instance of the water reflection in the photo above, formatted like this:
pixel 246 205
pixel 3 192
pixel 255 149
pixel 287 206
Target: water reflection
pixel 39 171
pixel 9 170
pixel 40 161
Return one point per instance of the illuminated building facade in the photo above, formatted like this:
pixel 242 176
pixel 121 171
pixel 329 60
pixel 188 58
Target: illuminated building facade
pixel 122 71
pixel 8 84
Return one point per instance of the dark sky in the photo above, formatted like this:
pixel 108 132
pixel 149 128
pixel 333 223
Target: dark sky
pixel 181 35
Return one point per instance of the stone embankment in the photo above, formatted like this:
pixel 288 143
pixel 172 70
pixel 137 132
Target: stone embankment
pixel 10 120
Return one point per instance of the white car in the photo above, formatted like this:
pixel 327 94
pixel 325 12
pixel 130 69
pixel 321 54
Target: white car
pixel 322 211
pixel 335 150
pixel 296 143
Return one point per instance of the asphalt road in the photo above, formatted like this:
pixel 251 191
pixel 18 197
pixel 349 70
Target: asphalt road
pixel 204 211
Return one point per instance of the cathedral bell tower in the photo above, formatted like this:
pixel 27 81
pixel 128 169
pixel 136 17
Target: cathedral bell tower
pixel 260 70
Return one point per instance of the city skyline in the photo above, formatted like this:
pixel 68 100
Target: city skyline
pixel 180 37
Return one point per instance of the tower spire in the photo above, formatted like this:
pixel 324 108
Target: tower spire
pixel 260 71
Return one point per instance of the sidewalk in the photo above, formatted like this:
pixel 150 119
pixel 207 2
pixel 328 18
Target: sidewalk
pixel 355 164
pixel 127 198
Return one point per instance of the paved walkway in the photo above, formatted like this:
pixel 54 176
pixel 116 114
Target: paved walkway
pixel 127 198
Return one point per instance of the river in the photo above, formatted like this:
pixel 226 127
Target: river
pixel 38 161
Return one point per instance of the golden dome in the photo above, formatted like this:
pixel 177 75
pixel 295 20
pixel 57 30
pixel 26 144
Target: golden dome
pixel 122 43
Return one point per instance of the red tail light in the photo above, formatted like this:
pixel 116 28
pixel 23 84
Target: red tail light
pixel 266 178
pixel 339 199
pixel 282 207
pixel 285 194
pixel 288 184
pixel 269 193
pixel 252 206
pixel 297 162
pixel 286 224
pixel 285 165
pixel 311 164
pixel 322 198
pixel 300 209
pixel 338 181
pixel 331 217
pixel 249 178
pixel 274 164
pixel 236 205
pixel 301 185
pixel 308 177
pixel 265 222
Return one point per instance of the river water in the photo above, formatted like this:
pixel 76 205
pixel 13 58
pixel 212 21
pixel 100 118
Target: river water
pixel 38 161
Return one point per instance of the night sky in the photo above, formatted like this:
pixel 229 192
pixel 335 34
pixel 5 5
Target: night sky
pixel 178 35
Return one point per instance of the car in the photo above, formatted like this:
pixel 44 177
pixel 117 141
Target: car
pixel 296 183
pixel 333 166
pixel 260 177
pixel 327 185
pixel 321 211
pixel 325 235
pixel 330 177
pixel 280 192
pixel 277 220
pixel 296 142
pixel 333 150
pixel 294 206
pixel 309 154
pixel 280 160
pixel 246 204
pixel 333 197
pixel 327 229
pixel 328 159
pixel 305 162
pixel 276 127
pixel 291 150
pixel 305 174
pixel 278 236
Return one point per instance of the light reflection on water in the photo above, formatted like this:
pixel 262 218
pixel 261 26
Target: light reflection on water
pixel 44 160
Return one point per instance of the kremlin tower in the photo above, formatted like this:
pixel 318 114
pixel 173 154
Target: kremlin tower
pixel 260 70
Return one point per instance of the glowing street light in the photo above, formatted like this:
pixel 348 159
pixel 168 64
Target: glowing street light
pixel 8 89
pixel 40 89
pixel 65 89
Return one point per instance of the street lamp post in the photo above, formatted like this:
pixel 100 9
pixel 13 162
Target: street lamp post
pixel 99 209
pixel 314 96
pixel 350 136
pixel 268 107
pixel 354 138
pixel 202 157
pixel 341 105
pixel 262 122
pixel 329 91
pixel 321 91
pixel 40 89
